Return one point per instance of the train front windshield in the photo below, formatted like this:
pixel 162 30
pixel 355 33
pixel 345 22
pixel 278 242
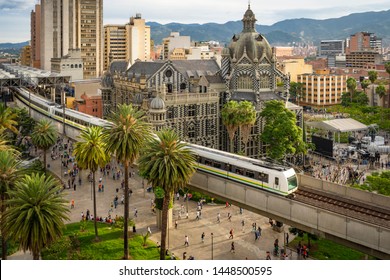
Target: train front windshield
pixel 292 182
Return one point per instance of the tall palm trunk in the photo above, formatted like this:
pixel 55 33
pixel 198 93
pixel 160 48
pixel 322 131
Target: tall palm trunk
pixel 94 205
pixel 35 255
pixel 44 160
pixel 3 240
pixel 126 214
pixel 164 225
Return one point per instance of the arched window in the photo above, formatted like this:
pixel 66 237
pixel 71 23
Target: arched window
pixel 264 81
pixel 244 82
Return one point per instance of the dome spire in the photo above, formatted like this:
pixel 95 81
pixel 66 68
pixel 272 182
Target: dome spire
pixel 249 20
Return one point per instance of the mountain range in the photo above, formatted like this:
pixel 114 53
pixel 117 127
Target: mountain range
pixel 284 32
pixel 281 33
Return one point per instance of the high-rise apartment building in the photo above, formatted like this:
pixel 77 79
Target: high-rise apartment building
pixel 36 37
pixel 364 41
pixel 89 35
pixel 129 42
pixel 72 24
pixel 57 30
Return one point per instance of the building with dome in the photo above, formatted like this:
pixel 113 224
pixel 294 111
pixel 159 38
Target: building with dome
pixel 188 95
pixel 249 70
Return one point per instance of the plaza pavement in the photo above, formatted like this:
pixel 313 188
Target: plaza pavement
pixel 245 245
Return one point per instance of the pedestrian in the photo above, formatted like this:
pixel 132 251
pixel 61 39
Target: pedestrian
pixel 197 215
pixel 229 217
pixel 259 230
pixel 241 210
pixel 184 255
pixel 72 204
pixel 242 224
pixel 287 236
pixel 177 196
pixel 268 257
pixel 135 212
pixel 218 217
pixel 82 216
pixel 176 224
pixel 186 215
pixel 149 231
pixel 231 233
pixel 232 249
pixel 186 243
pixel 202 237
pixel 271 222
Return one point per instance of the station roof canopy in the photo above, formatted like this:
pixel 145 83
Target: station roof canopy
pixel 339 125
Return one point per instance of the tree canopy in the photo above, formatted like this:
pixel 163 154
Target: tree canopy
pixel 281 134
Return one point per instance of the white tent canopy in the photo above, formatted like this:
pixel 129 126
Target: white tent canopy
pixel 339 125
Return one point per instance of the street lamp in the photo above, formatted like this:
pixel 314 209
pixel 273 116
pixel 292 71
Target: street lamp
pixel 212 246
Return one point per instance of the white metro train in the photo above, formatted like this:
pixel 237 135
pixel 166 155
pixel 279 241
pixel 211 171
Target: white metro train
pixel 247 171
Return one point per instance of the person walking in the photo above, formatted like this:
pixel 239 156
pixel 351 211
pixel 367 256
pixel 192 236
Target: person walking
pixel 149 231
pixel 135 212
pixel 202 237
pixel 72 204
pixel 232 249
pixel 176 224
pixel 186 243
pixel 231 232
pixel 218 217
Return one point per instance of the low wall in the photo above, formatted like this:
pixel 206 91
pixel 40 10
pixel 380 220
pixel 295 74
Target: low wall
pixel 348 192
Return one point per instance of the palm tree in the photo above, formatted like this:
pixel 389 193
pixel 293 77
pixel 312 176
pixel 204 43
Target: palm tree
pixel 7 119
pixel 169 164
pixel 36 214
pixel 387 67
pixel 351 85
pixel 372 76
pixel 44 136
pixel 364 84
pixel 10 172
pixel 230 120
pixel 90 153
pixel 246 119
pixel 125 137
pixel 381 91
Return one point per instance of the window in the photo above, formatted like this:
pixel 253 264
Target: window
pixel 244 82
pixel 264 81
pixel 276 181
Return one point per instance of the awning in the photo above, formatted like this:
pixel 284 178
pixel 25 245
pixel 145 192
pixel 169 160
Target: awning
pixel 339 125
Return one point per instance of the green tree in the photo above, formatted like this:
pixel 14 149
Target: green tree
pixel 387 67
pixel 296 91
pixel 351 85
pixel 168 163
pixel 90 153
pixel 36 213
pixel 381 91
pixel 365 84
pixel 10 172
pixel 125 136
pixel 229 114
pixel 246 119
pixel 44 136
pixel 377 182
pixel 281 133
pixel 7 119
pixel 372 76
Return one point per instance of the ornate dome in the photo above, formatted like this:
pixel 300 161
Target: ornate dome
pixel 254 44
pixel 157 103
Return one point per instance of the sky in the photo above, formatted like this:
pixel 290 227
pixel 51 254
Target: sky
pixel 15 14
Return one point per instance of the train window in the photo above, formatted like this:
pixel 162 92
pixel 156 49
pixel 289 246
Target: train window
pixel 276 181
pixel 228 167
pixel 207 162
pixel 217 165
pixel 239 171
pixel 250 174
pixel 263 177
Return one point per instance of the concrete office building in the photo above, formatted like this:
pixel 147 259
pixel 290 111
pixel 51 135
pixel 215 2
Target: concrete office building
pixel 72 24
pixel 36 37
pixel 174 41
pixel 129 42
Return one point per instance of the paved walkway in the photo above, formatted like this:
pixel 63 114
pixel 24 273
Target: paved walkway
pixel 244 238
